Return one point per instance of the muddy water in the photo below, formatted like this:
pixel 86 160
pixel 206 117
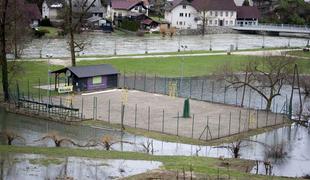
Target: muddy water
pixel 105 44
pixel 295 140
pixel 35 167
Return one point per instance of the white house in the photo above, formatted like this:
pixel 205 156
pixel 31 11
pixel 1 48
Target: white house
pixel 51 8
pixel 181 14
pixel 192 14
pixel 123 8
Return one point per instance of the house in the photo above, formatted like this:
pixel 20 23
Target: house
pixel 96 22
pixel 33 14
pixel 247 16
pixel 185 14
pixel 88 78
pixel 51 9
pixel 119 9
pixel 96 7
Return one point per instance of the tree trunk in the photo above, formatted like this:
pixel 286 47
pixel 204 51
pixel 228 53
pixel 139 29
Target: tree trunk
pixel 71 32
pixel 4 64
pixel 268 106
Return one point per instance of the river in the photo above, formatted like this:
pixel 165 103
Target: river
pixel 107 44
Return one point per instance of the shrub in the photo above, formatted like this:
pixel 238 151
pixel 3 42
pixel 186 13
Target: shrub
pixel 130 25
pixel 45 22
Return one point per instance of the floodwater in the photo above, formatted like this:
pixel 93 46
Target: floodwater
pixel 106 44
pixel 295 140
pixel 35 167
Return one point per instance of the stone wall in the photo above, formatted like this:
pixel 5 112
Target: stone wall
pixel 209 30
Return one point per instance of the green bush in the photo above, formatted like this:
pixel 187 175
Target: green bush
pixel 45 22
pixel 130 25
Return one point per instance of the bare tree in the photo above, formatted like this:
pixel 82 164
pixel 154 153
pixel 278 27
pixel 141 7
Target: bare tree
pixel 3 59
pixel 10 136
pixel 74 16
pixel 266 77
pixel 57 139
pixel 234 148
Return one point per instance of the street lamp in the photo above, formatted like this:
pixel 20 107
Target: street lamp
pixel 48 76
pixel 183 47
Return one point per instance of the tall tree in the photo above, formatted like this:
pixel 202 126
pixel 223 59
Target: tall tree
pixel 75 14
pixel 4 63
pixel 246 3
pixel 266 77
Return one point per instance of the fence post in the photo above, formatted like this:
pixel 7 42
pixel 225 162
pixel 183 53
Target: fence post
pixel 201 97
pixel 39 90
pixel 250 96
pixel 148 118
pixel 239 121
pixel 165 92
pixel 178 118
pixel 190 87
pixel 122 116
pixel 193 123
pixel 124 83
pixel 136 109
pixel 236 97
pixel 134 81
pixel 155 83
pixel 144 84
pixel 229 123
pixel 212 90
pixel 225 95
pixel 256 119
pixel 208 129
pixel 266 118
pixel 219 127
pixel 82 114
pixel 93 108
pixel 261 102
pixel 163 122
pixel 109 111
pixel 275 119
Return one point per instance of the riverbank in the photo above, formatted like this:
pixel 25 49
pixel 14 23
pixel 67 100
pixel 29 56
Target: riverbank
pixel 200 166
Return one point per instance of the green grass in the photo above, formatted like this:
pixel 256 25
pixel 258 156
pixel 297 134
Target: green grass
pixel 22 72
pixel 300 54
pixel 192 66
pixel 53 32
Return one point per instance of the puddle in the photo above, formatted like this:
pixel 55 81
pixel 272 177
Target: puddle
pixel 32 167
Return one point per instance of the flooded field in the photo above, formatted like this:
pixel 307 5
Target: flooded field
pixel 37 167
pixel 106 44
pixel 294 139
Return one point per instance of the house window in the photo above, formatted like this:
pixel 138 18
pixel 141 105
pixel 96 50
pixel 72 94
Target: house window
pixel 226 22
pixel 210 22
pixel 231 22
pixel 211 12
pixel 215 22
pixel 215 13
pixel 185 14
pixel 180 23
pixel 119 15
pixel 181 14
pixel 189 14
pixel 231 13
pixel 184 23
pixel 184 6
pixel 97 80
pixel 177 22
pixel 226 13
pixel 221 13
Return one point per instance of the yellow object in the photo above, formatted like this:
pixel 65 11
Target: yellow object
pixel 172 89
pixel 124 96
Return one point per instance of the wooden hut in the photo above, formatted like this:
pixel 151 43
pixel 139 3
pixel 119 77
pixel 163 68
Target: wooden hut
pixel 88 78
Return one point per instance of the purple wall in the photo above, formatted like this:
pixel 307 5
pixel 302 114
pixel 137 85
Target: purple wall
pixel 103 85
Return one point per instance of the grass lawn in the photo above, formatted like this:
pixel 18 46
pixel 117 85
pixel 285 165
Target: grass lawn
pixel 300 54
pixel 202 165
pixel 53 32
pixel 21 72
pixel 192 66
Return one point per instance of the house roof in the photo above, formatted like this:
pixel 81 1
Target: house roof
pixel 248 12
pixel 89 71
pixel 125 4
pixel 224 5
pixel 55 4
pixel 32 11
